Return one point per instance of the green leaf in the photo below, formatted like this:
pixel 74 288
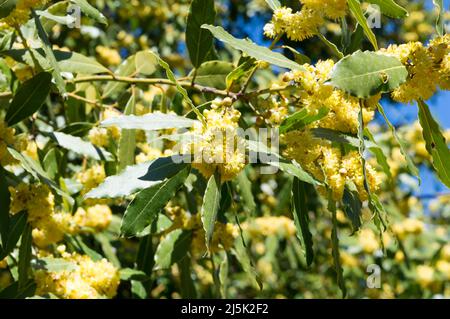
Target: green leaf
pixel 145 62
pixel 213 74
pixel 149 122
pixel 172 248
pixel 13 291
pixel 52 264
pixel 68 61
pixel 198 41
pixel 301 218
pixel 335 136
pixel 379 154
pixel 90 11
pixel 364 74
pixel 77 145
pixel 439 4
pixel 29 98
pixel 49 55
pixel 187 286
pixel 123 184
pixel 242 255
pixel 402 144
pixel 127 142
pixel 435 143
pixel 148 203
pixel 335 247
pixel 273 4
pixel 128 274
pixel 252 49
pixel 294 169
pixel 126 68
pixel 300 58
pixel 16 228
pixel 390 8
pixel 164 167
pixel 25 256
pixel 35 169
pixel 301 119
pixel 5 199
pixel 352 208
pixel 210 206
pixel 238 73
pixel 77 129
pixel 180 89
pixel 6 7
pixel 333 47
pixel 244 189
pixel 355 9
pixel 145 258
pixel 77 63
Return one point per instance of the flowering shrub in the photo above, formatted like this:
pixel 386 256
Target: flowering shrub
pixel 130 168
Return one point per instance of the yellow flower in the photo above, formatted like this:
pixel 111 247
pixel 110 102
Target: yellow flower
pixel 99 136
pixel 97 217
pixel 21 13
pixel 8 138
pixel 88 280
pixel 217 145
pixel 269 226
pixel 368 241
pixel 91 178
pixel 425 275
pixel 443 267
pixel 108 56
pixel 349 260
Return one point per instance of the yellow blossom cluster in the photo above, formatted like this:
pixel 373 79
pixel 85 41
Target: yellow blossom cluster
pixel 428 68
pixel 8 138
pixel 270 226
pixel 304 24
pixel 49 226
pixel 317 156
pixel 21 13
pixel 408 226
pixel 216 145
pixel 87 280
pixel 222 239
pixel 108 55
pixel 91 177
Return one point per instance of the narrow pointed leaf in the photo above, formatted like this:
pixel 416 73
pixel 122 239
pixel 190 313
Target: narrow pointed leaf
pixel 252 49
pixel 210 207
pixel 148 203
pixel 301 218
pixel 199 41
pixel 29 98
pixel 435 143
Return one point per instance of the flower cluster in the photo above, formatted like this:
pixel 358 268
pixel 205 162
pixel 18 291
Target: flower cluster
pixel 21 13
pixel 270 226
pixel 217 146
pixel 49 226
pixel 87 280
pixel 304 24
pixel 8 138
pixel 319 157
pixel 428 68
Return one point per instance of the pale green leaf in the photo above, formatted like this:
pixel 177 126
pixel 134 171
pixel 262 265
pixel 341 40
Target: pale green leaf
pixel 77 145
pixel 252 49
pixel 435 143
pixel 364 74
